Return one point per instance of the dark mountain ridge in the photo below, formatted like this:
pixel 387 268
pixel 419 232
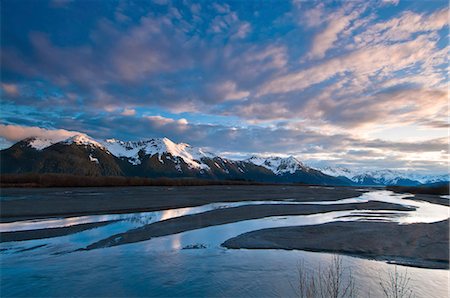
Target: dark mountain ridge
pixel 155 158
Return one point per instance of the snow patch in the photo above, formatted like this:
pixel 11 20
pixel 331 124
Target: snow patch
pixel 40 144
pixel 93 159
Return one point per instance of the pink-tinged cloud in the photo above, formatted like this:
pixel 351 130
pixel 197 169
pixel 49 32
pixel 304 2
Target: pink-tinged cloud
pixel 228 91
pixel 160 120
pixel 10 89
pixel 326 39
pixel 16 133
pixel 361 65
pixel 128 112
pixel 401 28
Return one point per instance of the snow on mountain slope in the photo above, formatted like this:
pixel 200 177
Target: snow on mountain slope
pixel 338 172
pixel 190 155
pixel 39 144
pixel 83 140
pixel 278 165
pixel 383 177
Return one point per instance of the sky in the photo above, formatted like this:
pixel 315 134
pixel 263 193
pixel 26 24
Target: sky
pixel 351 84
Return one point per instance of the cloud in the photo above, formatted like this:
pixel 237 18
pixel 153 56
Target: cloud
pixel 229 91
pixel 392 2
pixel 314 16
pixel 143 64
pixel 10 89
pixel 360 87
pixel 128 112
pixel 331 23
pixel 15 133
pixel 242 31
pixel 221 8
pixel 402 28
pixel 325 39
pixel 361 64
pixel 162 121
pixel 309 78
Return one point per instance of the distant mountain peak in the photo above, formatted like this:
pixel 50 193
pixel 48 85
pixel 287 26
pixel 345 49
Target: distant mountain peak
pixel 382 176
pixel 278 165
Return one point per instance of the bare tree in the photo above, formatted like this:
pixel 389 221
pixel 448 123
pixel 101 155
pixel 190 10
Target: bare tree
pixel 334 281
pixel 397 285
pixel 308 286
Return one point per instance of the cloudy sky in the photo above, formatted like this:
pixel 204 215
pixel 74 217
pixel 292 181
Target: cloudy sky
pixel 355 84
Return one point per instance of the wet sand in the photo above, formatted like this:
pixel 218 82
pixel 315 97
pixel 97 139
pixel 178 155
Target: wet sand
pixel 418 245
pixel 25 204
pixel 230 215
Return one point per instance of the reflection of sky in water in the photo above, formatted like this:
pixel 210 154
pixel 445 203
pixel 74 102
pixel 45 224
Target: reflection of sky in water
pixel 425 212
pixel 145 217
pixel 160 266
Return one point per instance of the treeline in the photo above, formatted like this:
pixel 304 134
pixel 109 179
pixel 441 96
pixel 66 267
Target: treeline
pixel 437 189
pixel 65 180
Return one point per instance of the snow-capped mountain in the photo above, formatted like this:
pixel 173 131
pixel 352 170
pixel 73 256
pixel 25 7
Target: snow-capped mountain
pixel 192 156
pixel 383 177
pixel 157 157
pixel 278 165
pixel 290 169
pixel 81 139
pixel 161 157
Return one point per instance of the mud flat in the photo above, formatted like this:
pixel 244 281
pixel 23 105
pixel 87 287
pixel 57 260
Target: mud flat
pixel 418 245
pixel 25 204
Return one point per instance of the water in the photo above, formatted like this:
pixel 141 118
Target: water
pixel 425 212
pixel 142 218
pixel 160 267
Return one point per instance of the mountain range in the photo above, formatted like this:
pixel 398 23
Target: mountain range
pixel 160 157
